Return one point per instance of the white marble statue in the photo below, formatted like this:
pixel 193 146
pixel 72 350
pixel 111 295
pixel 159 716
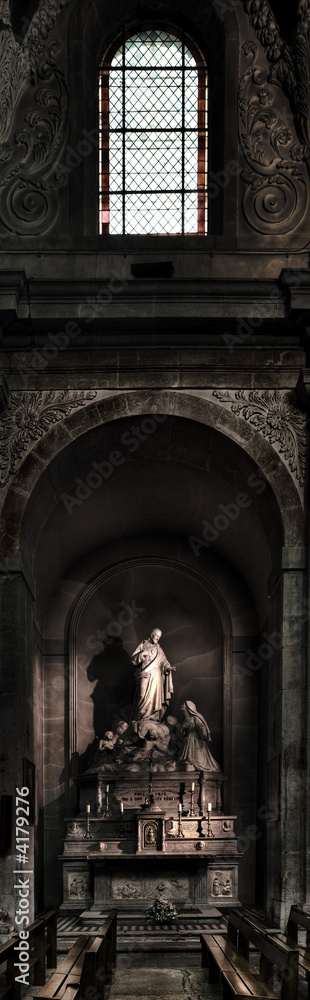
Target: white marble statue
pixel 194 753
pixel 154 685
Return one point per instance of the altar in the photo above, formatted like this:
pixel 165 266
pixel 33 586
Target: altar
pixel 151 849
pixel 150 823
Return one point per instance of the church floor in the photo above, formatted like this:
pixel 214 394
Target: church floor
pixel 168 976
pixel 158 979
pixel 160 973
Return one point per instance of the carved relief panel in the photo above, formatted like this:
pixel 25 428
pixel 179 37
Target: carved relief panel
pixel 165 886
pixel 223 883
pixel 78 885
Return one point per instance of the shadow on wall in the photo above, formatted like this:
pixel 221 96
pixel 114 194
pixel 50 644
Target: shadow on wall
pixel 114 673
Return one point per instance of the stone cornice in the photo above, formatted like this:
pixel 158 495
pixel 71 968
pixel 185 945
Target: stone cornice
pixel 88 300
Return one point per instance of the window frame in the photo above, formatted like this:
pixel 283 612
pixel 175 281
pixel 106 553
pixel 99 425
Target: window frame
pixel 202 130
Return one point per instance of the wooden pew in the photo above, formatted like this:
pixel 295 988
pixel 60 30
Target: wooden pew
pixel 299 918
pixel 8 987
pixel 109 933
pixel 88 963
pixel 71 966
pixel 50 920
pixel 42 942
pixel 228 961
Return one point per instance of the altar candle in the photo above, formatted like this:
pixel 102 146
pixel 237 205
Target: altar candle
pixel 122 807
pixel 107 788
pixel 209 807
pixel 193 786
pixel 180 807
pixel 88 809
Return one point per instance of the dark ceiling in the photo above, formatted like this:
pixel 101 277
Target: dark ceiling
pixel 22 12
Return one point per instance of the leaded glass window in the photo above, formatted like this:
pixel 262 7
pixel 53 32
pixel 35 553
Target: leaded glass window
pixel 153 136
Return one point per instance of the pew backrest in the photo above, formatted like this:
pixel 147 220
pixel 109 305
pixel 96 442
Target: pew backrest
pixel 298 918
pixel 273 953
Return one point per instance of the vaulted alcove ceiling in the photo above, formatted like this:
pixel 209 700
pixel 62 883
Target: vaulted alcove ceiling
pixel 177 478
pixel 23 10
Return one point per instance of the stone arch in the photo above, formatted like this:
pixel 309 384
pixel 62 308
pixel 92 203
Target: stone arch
pixel 114 405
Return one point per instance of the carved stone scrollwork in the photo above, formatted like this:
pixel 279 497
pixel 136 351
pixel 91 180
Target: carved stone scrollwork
pixel 28 417
pixel 19 57
pixel 28 191
pixel 289 64
pixel 276 197
pixel 273 414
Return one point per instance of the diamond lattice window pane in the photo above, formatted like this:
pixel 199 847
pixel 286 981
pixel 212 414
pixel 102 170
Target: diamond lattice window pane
pixel 153 47
pixel 116 214
pixel 152 213
pixel 153 144
pixel 191 213
pixel 115 101
pixel 153 162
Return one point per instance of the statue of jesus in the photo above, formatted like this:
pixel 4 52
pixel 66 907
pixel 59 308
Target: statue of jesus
pixel 154 685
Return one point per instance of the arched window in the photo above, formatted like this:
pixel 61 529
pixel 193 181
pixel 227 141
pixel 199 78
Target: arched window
pixel 153 135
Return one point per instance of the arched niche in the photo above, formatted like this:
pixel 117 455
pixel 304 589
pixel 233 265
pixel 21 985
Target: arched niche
pixel 199 457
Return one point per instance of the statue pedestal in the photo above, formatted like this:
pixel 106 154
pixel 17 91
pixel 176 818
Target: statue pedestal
pixel 168 789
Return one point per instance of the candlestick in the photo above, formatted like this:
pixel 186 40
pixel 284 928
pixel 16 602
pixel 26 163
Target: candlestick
pixel 209 830
pixel 107 788
pixel 192 811
pixel 87 834
pixel 121 828
pixel 180 831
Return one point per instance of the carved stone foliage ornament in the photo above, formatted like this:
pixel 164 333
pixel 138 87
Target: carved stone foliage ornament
pixel 289 64
pixel 273 414
pixel 33 91
pixel 29 416
pixel 276 194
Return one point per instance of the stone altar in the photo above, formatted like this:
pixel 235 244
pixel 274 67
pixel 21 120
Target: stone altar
pixel 150 821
